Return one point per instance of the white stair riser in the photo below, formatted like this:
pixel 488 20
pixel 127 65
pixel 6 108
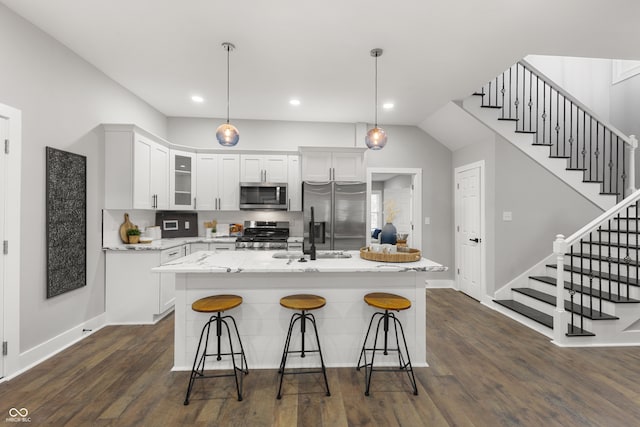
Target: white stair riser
pixel 603 266
pixel 607 306
pixel 533 303
pixel 578 278
pixel 612 251
pixel 547 309
pixel 616 238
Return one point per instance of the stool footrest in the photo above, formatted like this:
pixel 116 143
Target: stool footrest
pixel 404 361
pixel 303 318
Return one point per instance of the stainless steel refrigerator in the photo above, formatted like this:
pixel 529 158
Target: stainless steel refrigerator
pixel 340 209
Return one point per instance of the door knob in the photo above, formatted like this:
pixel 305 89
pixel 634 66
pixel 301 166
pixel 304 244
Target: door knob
pixel 476 240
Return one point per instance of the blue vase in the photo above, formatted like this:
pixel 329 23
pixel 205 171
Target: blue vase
pixel 388 234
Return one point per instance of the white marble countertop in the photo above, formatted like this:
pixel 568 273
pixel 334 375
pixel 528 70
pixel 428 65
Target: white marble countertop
pixel 264 262
pixel 162 244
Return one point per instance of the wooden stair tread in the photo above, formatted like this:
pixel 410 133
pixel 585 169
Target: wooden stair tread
pixel 573 308
pixel 606 276
pixel 542 318
pixel 533 314
pixel 586 290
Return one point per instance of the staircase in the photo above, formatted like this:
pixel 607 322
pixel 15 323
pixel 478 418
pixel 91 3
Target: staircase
pixel 588 291
pixel 557 131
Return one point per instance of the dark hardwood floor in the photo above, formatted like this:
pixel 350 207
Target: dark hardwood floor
pixel 485 370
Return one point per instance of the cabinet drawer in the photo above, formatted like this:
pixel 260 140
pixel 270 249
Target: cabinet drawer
pixel 171 254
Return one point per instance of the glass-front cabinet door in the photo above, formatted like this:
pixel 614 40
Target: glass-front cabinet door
pixel 183 180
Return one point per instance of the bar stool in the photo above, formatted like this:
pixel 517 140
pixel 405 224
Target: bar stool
pixel 217 304
pixel 386 302
pixel 303 303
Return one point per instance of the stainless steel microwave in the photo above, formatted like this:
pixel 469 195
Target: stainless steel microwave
pixel 263 196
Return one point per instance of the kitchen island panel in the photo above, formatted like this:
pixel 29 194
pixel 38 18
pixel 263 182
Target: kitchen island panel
pixel 263 323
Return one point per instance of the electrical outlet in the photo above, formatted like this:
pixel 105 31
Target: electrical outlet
pixel 186 225
pixel 427 220
pixel 507 216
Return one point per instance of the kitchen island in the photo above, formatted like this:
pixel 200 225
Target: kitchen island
pixel 262 279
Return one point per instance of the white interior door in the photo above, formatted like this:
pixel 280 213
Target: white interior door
pixel 4 134
pixel 469 245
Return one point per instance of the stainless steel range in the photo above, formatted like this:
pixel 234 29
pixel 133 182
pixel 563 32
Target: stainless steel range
pixel 264 235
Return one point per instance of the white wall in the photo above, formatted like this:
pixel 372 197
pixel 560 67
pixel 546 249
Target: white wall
pixel 63 99
pixel 261 134
pixel 587 79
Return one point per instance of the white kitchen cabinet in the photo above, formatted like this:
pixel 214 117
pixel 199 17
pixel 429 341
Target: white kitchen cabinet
pixel 182 188
pixel 136 169
pixel 217 182
pixel 213 246
pixel 334 164
pixel 135 295
pixel 294 184
pixel 263 168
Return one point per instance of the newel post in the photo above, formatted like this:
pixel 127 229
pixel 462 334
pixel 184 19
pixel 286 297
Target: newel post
pixel 559 320
pixel 632 165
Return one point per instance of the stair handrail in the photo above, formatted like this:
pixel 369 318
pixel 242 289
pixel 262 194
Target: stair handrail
pixel 561 246
pixel 605 216
pixel 630 140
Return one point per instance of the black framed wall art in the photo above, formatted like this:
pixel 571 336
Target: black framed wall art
pixel 66 206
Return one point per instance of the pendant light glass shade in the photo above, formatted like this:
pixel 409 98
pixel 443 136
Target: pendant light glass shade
pixel 227 134
pixel 376 138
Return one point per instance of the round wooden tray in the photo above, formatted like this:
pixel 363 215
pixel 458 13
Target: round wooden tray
pixel 411 255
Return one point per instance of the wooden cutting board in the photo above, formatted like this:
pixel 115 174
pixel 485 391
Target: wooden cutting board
pixel 126 225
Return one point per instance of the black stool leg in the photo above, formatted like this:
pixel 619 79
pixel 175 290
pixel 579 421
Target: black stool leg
pixel 324 369
pixel 285 352
pixel 199 366
pixel 368 368
pixel 243 363
pixel 233 359
pixel 404 366
pixel 195 371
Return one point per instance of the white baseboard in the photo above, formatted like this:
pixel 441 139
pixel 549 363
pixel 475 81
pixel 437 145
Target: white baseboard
pixel 435 284
pixel 42 352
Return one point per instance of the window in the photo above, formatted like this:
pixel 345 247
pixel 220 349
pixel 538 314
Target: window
pixel 376 209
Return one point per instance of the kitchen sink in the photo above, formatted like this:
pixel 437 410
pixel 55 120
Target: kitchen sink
pixel 319 255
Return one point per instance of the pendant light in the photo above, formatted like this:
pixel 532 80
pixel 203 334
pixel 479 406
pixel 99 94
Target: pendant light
pixel 376 137
pixel 227 134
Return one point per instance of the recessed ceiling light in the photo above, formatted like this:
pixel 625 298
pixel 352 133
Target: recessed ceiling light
pixel 197 98
pixel 294 102
pixel 387 105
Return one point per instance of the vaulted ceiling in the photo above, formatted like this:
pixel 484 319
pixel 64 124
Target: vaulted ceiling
pixel 165 51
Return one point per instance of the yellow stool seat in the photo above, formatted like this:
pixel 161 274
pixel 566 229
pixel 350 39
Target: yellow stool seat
pixel 385 301
pixel 302 302
pixel 216 303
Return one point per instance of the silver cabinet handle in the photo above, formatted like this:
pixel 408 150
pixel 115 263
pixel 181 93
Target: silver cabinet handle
pixel 173 253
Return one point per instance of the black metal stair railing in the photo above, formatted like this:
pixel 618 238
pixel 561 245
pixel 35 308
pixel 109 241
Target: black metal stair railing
pixel 555 119
pixel 599 263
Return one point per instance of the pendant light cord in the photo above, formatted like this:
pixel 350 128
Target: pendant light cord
pixel 228 49
pixel 376 93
